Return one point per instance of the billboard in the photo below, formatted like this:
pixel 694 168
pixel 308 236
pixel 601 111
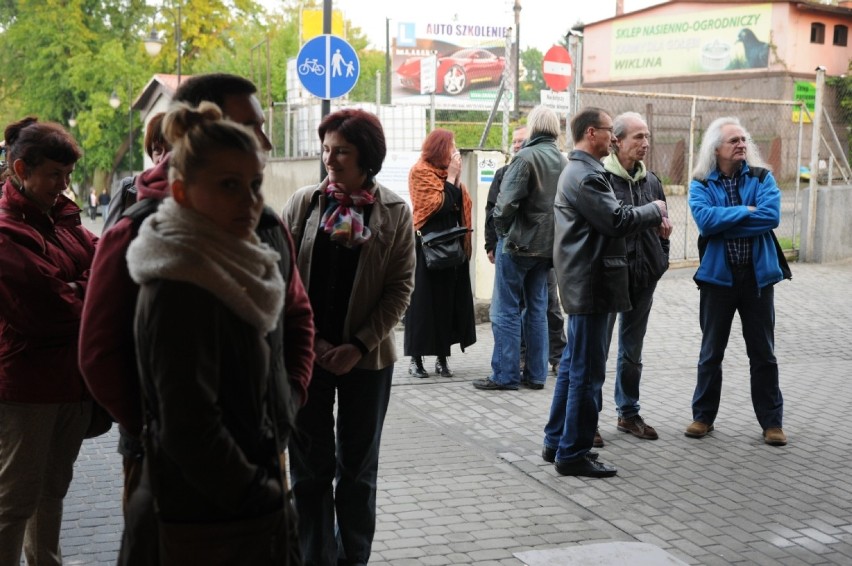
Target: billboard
pixel 470 56
pixel 729 38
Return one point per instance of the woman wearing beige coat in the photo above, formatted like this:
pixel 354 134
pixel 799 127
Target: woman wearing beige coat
pixel 355 245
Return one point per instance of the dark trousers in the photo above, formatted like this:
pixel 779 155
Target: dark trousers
pixel 756 308
pixel 350 455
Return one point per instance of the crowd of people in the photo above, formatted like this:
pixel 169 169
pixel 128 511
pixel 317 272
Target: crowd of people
pixel 247 356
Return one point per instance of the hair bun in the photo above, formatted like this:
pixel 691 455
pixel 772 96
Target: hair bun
pixel 13 130
pixel 182 118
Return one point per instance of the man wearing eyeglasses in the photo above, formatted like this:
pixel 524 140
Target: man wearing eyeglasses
pixel 590 258
pixel 736 204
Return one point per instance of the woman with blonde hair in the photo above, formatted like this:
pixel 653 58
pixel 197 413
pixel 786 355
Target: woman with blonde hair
pixel 441 310
pixel 210 292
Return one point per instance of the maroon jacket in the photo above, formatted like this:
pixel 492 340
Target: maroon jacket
pixel 107 345
pixel 39 311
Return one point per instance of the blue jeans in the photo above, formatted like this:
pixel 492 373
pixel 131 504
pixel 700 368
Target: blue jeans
pixel 555 323
pixel 574 409
pixel 517 279
pixel 351 458
pixel 757 315
pixel 631 338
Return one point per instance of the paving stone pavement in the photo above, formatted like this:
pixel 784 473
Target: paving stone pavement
pixel 462 481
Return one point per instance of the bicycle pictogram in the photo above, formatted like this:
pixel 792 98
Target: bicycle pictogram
pixel 311 66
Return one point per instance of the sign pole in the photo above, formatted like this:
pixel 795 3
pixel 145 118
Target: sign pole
pixel 325 109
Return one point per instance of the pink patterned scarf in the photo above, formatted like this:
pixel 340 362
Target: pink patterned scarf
pixel 343 218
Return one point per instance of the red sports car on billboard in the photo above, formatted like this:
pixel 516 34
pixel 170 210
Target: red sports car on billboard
pixel 456 72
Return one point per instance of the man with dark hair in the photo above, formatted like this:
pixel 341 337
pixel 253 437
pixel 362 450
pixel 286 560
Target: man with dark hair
pixel 233 94
pixel 590 258
pixel 107 346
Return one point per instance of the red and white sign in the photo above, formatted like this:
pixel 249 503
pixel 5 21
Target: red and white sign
pixel 557 67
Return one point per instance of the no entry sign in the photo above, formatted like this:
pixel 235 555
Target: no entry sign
pixel 557 68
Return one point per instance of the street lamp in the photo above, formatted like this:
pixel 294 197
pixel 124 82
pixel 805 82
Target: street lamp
pixel 114 100
pixel 153 43
pixel 72 121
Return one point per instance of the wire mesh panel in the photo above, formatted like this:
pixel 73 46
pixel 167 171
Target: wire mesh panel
pixel 677 124
pixel 781 130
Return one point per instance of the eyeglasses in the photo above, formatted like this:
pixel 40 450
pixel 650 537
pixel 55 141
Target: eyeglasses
pixel 608 129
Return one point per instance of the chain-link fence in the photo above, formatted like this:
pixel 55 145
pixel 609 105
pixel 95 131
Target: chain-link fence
pixel 677 123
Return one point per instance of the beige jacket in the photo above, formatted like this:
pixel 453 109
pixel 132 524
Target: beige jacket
pixel 384 278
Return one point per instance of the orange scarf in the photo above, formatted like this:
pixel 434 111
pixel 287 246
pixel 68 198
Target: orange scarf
pixel 426 189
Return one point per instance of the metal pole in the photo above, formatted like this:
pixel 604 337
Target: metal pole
pixel 516 54
pixel 130 124
pixel 325 108
pixel 798 171
pixel 179 41
pixel 815 142
pixel 432 110
pixel 691 157
pixel 387 97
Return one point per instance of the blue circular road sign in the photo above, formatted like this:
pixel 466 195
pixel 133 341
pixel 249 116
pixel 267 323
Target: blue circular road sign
pixel 328 67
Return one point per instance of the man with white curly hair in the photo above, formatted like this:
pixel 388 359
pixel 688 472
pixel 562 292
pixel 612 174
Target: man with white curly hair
pixel 736 204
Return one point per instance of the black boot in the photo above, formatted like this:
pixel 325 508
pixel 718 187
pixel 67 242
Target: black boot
pixel 416 368
pixel 441 367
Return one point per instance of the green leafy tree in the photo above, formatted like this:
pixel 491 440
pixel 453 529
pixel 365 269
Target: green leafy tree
pixel 532 79
pixel 842 87
pixel 64 58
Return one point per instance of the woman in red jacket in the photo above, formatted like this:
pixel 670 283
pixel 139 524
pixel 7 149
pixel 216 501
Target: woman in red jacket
pixel 44 406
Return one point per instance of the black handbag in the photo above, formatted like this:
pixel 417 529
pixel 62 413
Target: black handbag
pixel 444 249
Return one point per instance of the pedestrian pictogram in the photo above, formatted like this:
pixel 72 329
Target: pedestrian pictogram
pixel 328 66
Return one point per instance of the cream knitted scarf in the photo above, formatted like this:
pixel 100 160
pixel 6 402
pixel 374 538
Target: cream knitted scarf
pixel 178 244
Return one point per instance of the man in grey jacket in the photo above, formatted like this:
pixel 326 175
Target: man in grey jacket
pixel 590 256
pixel 523 219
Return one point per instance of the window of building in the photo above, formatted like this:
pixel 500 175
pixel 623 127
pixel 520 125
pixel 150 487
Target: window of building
pixel 817 32
pixel 841 33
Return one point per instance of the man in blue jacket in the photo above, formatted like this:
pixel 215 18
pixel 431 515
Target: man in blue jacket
pixel 736 203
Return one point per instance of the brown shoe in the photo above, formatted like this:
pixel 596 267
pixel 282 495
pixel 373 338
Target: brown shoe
pixel 774 436
pixel 697 429
pixel 598 441
pixel 636 426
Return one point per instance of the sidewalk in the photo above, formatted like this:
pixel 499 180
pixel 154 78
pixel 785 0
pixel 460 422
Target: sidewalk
pixel 462 482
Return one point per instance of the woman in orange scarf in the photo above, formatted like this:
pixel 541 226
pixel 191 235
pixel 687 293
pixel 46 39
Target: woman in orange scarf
pixel 441 309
